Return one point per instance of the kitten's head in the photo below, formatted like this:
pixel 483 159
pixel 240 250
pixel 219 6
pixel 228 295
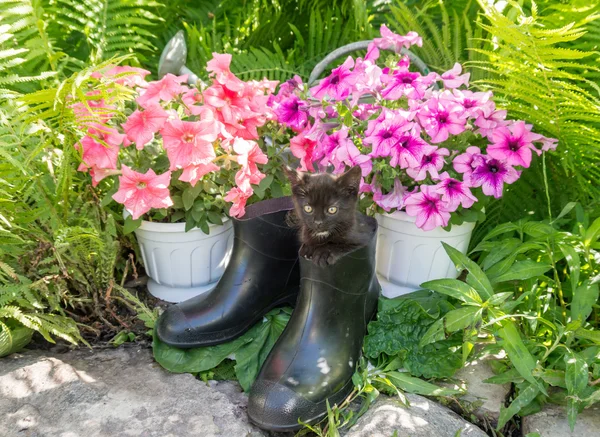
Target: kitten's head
pixel 325 204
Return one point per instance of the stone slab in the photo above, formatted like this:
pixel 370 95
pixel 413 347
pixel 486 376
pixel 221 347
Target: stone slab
pixel 552 422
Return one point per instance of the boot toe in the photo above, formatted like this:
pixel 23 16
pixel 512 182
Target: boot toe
pixel 173 327
pixel 275 407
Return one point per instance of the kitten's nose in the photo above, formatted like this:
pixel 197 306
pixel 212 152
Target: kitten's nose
pixel 318 222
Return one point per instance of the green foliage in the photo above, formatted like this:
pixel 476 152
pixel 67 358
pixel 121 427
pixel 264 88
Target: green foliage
pixel 400 325
pixel 543 312
pixel 251 350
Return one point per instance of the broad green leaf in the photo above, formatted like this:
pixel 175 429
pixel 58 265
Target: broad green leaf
pixel 499 250
pixel 476 278
pixel 538 229
pixel 13 339
pixel 188 198
pixel 411 384
pixel 462 317
pixel 592 233
pixel 215 218
pixel 576 375
pixel 593 398
pixel 499 298
pixel 131 225
pixel 510 376
pixel 587 334
pixel 518 354
pixel 552 377
pixel 434 333
pixel 574 263
pixel 526 396
pixel 584 297
pixel 501 229
pixel 522 270
pixel 567 209
pixel 454 288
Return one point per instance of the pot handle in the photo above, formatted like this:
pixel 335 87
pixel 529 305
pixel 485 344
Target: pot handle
pixel 360 45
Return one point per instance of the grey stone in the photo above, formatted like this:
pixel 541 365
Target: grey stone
pixel 116 392
pixel 552 422
pixel 423 418
pixel 482 399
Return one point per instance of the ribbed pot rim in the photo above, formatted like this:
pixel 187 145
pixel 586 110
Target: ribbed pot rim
pixel 455 230
pixel 175 227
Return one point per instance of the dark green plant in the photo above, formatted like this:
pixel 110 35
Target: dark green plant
pixel 534 290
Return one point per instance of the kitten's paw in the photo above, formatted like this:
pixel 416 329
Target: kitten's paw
pixel 306 251
pixel 321 257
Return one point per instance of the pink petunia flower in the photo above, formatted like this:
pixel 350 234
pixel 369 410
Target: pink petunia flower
pixel 239 198
pixel 338 84
pixel 193 173
pixel 491 175
pixel 125 75
pixel 98 174
pixel 164 90
pixel 219 66
pixel 392 41
pixel 466 162
pixel 392 200
pixel 347 154
pixel 474 104
pixel 303 148
pixel 96 154
pixel 385 131
pixel 428 207
pixel 454 192
pixel 408 151
pixel 441 117
pixel 330 144
pixel 141 126
pixel 489 120
pixel 402 82
pixel 249 155
pixel 431 162
pixel 293 112
pixel 93 110
pixel 513 143
pixel 140 192
pixel 453 79
pixel 189 143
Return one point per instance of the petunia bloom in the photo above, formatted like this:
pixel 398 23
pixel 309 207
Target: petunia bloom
pixel 140 192
pixel 466 162
pixel 431 162
pixel 348 154
pixel 385 131
pixel 454 192
pixel 392 41
pixel 402 82
pixel 194 172
pixel 428 207
pixel 392 200
pixel 453 79
pixel 189 142
pixel 408 151
pixel 96 154
pixel 164 90
pixel 249 155
pixel 303 149
pixel 441 117
pixel 338 84
pixel 141 126
pixel 239 198
pixel 513 143
pixel 491 175
pixel 293 112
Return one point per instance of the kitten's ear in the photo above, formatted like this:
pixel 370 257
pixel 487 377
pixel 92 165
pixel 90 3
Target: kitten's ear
pixel 350 181
pixel 296 177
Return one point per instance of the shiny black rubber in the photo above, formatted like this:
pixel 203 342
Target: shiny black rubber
pixel 316 355
pixel 263 273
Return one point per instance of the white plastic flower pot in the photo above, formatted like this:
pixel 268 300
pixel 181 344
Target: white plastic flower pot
pixel 180 264
pixel 408 256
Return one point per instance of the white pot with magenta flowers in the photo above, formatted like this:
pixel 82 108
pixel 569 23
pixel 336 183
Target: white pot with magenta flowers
pixel 186 158
pixel 432 152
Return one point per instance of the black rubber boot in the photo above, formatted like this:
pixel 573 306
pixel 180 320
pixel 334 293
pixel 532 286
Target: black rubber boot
pixel 263 273
pixel 317 353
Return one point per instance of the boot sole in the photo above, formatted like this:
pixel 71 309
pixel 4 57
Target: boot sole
pixel 225 336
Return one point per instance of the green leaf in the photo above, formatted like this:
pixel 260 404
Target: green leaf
pixel 587 334
pixel 592 233
pixel 518 354
pixel 538 229
pixel 567 209
pixel 454 288
pixel 584 297
pixel 526 396
pixel 522 270
pixel 13 339
pixel 203 225
pixel 476 278
pixel 576 379
pixel 510 376
pixel 214 218
pixel 434 333
pixel 251 356
pixel 411 384
pixel 499 298
pixel 188 198
pixel 462 317
pixel 131 225
pixel 574 263
pixel 501 229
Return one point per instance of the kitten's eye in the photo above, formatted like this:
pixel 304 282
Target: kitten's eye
pixel 332 210
pixel 308 209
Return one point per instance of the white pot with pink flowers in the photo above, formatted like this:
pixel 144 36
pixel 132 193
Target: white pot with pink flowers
pixel 432 152
pixel 186 158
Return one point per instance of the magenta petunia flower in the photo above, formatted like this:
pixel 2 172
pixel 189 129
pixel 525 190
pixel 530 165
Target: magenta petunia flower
pixel 474 104
pixel 428 207
pixel 140 192
pixel 454 192
pixel 189 142
pixel 392 41
pixel 441 117
pixel 141 126
pixel 453 79
pixel 402 82
pixel 338 84
pixel 489 120
pixel 392 200
pixel 162 90
pixel 491 175
pixel 431 162
pixel 513 143
pixel 466 162
pixel 330 144
pixel 408 150
pixel 349 155
pixel 385 131
pixel 293 112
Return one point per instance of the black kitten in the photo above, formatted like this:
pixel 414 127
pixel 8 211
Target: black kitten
pixel 325 212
